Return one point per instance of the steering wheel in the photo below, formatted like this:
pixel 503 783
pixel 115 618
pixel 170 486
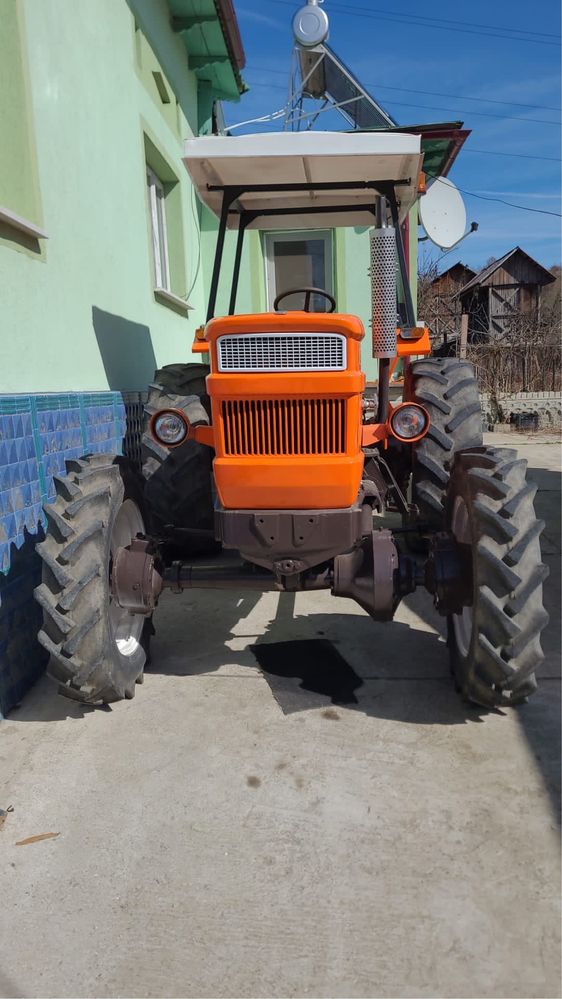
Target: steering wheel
pixel 308 292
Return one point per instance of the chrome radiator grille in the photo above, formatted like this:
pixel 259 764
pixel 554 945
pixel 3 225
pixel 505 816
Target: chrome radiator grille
pixel 278 427
pixel 282 352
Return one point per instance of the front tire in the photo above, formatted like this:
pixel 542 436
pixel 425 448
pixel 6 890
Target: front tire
pixel 447 388
pixel 495 643
pixel 97 650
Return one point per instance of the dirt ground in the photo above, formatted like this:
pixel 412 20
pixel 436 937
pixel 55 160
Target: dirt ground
pixel 233 833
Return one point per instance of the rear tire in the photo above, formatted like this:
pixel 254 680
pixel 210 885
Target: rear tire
pixel 447 388
pixel 178 482
pixel 97 650
pixel 495 644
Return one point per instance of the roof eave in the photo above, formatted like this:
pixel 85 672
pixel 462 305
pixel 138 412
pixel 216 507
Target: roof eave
pixel 220 65
pixel 232 36
pixel 452 268
pixel 482 276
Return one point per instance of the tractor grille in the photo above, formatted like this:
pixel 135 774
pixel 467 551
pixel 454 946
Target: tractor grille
pixel 284 426
pixel 282 352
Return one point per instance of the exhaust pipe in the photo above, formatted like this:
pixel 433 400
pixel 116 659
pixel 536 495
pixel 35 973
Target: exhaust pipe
pixel 383 292
pixel 383 306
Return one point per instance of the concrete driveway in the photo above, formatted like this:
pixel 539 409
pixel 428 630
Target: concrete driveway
pixel 229 833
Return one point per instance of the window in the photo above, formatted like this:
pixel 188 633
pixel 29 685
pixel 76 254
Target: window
pixel 20 202
pixel 295 260
pixel 157 203
pixel 165 232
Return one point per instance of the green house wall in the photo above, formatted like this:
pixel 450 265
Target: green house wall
pixel 78 309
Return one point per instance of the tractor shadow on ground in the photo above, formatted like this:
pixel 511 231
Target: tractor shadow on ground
pixel 329 655
pixel 397 671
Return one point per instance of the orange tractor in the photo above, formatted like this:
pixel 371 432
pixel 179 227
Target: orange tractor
pixel 270 467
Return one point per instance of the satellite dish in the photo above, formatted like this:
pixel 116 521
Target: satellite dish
pixel 442 213
pixel 310 25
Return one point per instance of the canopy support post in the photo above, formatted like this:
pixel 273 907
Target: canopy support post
pixel 229 197
pixel 237 263
pixel 245 219
pixel 408 302
pixel 232 194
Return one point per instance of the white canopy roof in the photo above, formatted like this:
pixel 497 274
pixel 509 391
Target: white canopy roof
pixel 304 158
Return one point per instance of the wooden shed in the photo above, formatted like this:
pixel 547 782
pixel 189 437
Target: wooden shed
pixel 452 280
pixel 442 305
pixel 505 288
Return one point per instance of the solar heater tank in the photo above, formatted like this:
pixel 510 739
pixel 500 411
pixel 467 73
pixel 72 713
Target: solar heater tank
pixel 310 25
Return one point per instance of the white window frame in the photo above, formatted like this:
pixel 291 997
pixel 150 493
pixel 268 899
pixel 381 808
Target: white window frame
pixel 157 203
pixel 271 238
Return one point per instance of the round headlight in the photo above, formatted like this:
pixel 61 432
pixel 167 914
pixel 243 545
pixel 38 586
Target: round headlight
pixel 170 427
pixel 409 422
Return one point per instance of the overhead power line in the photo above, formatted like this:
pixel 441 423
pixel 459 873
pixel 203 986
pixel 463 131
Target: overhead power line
pixel 407 19
pixel 435 107
pixel 467 24
pixel 446 20
pixel 481 114
pixel 510 204
pixel 519 156
pixel 428 93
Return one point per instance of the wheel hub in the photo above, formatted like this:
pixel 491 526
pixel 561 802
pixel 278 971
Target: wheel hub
pixel 126 617
pixel 448 573
pixel 135 580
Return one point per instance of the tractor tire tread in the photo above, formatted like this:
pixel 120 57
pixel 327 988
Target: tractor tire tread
pixel 448 390
pixel 508 610
pixel 75 631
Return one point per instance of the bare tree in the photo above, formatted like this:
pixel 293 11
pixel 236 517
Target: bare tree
pixel 438 306
pixel 551 294
pixel 427 273
pixel 525 358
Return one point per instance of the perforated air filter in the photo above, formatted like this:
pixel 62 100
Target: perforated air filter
pixel 383 291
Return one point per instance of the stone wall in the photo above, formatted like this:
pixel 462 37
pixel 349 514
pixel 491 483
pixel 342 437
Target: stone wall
pixel 546 405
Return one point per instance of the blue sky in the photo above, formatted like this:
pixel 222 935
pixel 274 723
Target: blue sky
pixel 388 49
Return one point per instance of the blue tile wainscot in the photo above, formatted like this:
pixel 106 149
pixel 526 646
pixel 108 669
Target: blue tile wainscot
pixel 38 433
